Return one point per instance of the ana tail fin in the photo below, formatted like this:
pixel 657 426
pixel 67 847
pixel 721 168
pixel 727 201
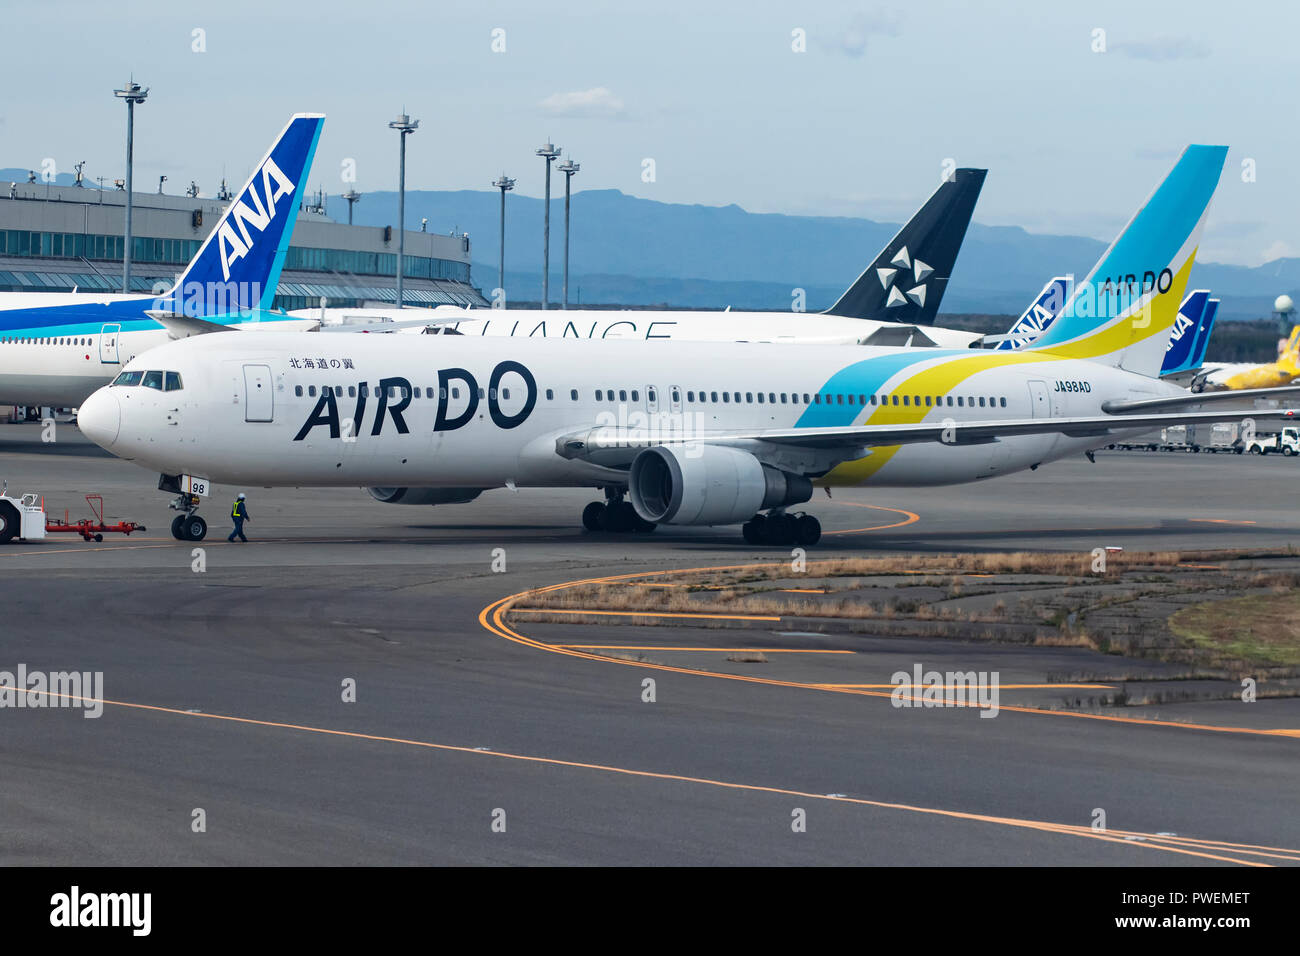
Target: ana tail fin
pixel 1203 333
pixel 1180 352
pixel 237 268
pixel 1042 312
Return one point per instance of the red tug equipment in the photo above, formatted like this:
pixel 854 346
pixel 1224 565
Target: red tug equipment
pixel 93 529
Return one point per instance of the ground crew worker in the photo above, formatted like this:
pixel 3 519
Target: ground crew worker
pixel 239 514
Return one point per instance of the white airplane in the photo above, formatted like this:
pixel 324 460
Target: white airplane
pixel 678 433
pixel 57 348
pixel 893 301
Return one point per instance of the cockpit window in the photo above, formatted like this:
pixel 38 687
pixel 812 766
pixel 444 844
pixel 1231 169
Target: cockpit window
pixel 128 378
pixel 173 382
pixel 153 380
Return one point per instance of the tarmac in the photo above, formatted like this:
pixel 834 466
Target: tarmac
pixel 343 690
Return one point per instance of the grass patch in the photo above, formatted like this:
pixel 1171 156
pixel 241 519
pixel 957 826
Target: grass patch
pixel 1262 629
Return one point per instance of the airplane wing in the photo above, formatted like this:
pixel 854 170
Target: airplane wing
pixel 180 326
pixel 395 326
pixel 615 446
pixel 1201 398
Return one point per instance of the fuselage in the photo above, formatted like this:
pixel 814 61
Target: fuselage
pixel 460 411
pixel 788 327
pixel 57 348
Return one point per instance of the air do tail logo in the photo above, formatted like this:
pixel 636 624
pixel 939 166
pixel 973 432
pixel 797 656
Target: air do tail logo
pixel 251 210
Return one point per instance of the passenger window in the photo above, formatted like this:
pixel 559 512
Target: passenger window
pixel 505 393
pixel 927 401
pixel 550 395
pixel 311 391
pixel 905 398
pixel 352 391
pixel 895 399
pixel 713 397
pixel 950 401
pixel 597 394
pixel 783 398
pixel 981 401
pixel 622 395
pixel 817 399
pixel 650 394
pixel 573 394
pixel 153 380
pixel 749 397
pixel 873 399
pixel 1003 401
pixel 690 397
pixel 173 382
pixel 839 399
pixel 365 390
pixel 297 390
pixel 677 396
pixel 726 397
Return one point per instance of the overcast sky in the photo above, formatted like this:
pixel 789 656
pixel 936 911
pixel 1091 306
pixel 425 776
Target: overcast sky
pixel 859 123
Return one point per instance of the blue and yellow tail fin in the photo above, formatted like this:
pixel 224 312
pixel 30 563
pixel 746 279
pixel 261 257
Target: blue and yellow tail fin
pixel 1122 313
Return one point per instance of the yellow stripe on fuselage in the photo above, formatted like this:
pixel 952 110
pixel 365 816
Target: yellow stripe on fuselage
pixel 942 378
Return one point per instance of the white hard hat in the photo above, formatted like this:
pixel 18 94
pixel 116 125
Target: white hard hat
pixel 242 495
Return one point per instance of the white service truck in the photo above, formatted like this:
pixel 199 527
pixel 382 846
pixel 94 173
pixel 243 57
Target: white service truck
pixel 22 518
pixel 1287 441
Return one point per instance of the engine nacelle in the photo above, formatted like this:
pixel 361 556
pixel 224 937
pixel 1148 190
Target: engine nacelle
pixel 424 496
pixel 712 484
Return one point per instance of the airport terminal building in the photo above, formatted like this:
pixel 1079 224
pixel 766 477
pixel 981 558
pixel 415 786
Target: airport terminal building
pixel 57 238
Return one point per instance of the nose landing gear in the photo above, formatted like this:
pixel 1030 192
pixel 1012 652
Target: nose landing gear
pixel 188 526
pixel 781 528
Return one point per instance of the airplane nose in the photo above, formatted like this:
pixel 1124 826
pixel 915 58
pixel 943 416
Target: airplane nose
pixel 100 418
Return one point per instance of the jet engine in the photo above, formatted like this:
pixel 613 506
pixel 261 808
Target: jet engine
pixel 424 496
pixel 709 484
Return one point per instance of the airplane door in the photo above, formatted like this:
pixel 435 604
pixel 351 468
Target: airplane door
pixel 1039 402
pixel 259 403
pixel 108 340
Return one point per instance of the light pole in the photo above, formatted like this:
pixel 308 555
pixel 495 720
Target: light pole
pixel 352 196
pixel 568 167
pixel 505 184
pixel 548 152
pixel 133 93
pixel 404 126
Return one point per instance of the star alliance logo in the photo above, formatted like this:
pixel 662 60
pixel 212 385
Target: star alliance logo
pixel 919 272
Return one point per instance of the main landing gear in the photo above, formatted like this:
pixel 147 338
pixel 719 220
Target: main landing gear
pixel 780 528
pixel 187 526
pixel 615 514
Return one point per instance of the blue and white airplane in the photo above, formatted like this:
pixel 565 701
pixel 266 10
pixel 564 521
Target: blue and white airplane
pixel 57 348
pixel 676 432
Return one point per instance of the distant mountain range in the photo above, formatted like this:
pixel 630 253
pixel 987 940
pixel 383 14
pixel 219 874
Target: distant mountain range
pixel 634 251
pixel 641 252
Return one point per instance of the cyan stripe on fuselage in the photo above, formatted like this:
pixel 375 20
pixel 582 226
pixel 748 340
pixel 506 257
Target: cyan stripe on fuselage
pixel 867 377
pixel 89 318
